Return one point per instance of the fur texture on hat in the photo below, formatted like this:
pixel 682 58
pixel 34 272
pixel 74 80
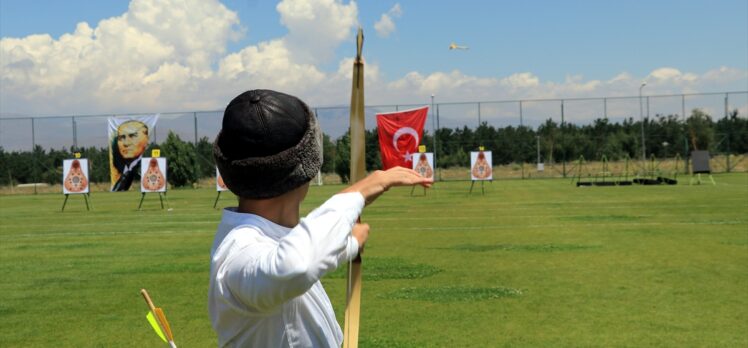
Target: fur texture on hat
pixel 270 144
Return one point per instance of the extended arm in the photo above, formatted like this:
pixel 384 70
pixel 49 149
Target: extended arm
pixel 267 274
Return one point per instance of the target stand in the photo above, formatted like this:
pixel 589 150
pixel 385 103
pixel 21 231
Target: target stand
pixel 161 197
pixel 414 188
pixel 482 186
pixel 86 197
pixel 218 196
pixel 700 165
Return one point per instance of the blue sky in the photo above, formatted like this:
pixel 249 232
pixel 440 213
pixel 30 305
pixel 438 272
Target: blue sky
pixel 597 39
pixel 517 49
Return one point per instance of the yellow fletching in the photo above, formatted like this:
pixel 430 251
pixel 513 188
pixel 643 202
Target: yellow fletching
pixel 164 323
pixel 154 324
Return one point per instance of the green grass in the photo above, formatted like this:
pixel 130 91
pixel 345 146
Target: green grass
pixel 530 263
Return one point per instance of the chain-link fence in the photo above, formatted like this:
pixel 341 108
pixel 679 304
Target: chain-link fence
pixel 534 117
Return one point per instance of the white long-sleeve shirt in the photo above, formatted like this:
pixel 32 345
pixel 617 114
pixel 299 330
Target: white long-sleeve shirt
pixel 264 278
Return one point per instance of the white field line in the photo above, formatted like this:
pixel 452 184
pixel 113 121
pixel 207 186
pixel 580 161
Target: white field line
pixel 464 228
pixel 133 224
pixel 570 206
pixel 487 216
pixel 483 215
pixel 557 226
pixel 111 233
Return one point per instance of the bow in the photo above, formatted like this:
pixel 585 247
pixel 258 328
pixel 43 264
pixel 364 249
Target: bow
pixel 358 171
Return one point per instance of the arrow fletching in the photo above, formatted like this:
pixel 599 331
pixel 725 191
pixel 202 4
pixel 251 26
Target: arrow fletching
pixel 155 326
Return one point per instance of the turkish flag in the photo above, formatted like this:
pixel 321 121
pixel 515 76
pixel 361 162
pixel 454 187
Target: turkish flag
pixel 400 133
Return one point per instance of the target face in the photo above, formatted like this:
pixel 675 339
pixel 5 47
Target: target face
pixel 75 176
pixel 153 174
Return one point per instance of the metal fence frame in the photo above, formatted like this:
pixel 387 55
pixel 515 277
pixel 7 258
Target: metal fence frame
pixel 470 114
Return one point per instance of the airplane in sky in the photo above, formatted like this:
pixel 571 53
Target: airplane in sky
pixel 454 46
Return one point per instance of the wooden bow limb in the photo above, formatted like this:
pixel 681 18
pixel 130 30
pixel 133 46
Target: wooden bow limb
pixel 358 172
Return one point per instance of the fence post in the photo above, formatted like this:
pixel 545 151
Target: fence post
pixel 728 152
pixel 194 116
pixel 33 154
pixel 685 154
pixel 437 127
pixel 478 114
pixel 75 134
pixel 726 105
pixel 605 108
pixel 683 106
pixel 563 152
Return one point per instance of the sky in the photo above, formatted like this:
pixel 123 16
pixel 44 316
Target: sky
pixel 79 57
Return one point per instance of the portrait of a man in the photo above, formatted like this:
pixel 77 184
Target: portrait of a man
pixel 129 139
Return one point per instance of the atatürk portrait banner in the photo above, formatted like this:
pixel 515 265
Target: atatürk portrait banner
pixel 128 139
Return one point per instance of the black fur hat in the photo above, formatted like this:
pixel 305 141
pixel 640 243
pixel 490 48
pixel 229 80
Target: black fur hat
pixel 269 144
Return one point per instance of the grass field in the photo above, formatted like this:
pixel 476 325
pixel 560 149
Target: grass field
pixel 531 263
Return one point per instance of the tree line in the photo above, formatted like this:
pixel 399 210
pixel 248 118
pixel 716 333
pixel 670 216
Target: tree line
pixel 665 136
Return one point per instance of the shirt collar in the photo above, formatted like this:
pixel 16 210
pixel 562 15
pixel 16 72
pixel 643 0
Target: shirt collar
pixel 235 218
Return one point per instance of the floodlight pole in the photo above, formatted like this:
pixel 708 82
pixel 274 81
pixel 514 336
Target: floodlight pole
pixel 641 119
pixel 33 154
pixel 433 123
pixel 433 126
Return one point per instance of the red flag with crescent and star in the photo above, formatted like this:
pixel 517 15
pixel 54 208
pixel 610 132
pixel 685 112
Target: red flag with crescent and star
pixel 400 132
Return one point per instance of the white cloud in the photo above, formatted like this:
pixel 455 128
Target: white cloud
pixel 724 73
pixel 269 64
pixel 135 61
pixel 622 77
pixel 521 80
pixel 396 10
pixel 386 25
pixel 316 27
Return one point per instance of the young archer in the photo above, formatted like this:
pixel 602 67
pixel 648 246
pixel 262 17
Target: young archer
pixel 266 261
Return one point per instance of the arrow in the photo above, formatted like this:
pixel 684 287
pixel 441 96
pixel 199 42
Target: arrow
pixel 157 319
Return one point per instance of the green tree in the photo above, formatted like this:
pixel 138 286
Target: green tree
pixel 549 134
pixel 373 157
pixel 183 167
pixel 343 157
pixel 328 154
pixel 734 129
pixel 700 130
pixel 204 153
pixel 98 163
